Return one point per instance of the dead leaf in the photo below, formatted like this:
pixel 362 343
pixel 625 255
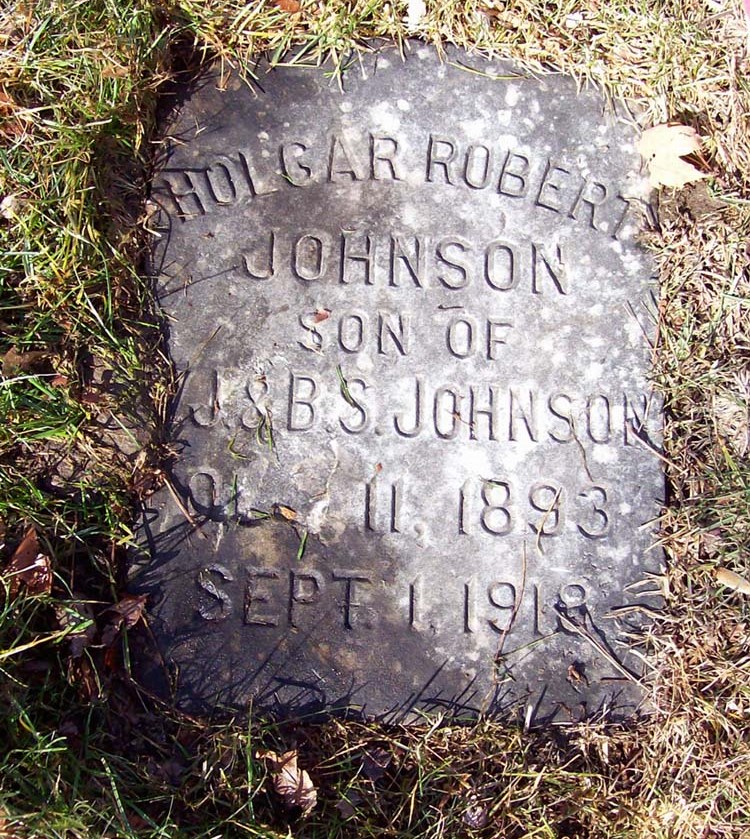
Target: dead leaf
pixel 663 147
pixel 82 674
pixel 347 806
pixel 286 512
pixel 59 381
pixel 21 362
pixel 374 763
pixel 77 617
pixel 736 582
pixel 476 814
pixel 290 6
pixel 9 207
pixel 124 615
pixel 10 125
pixel 293 785
pixel 29 567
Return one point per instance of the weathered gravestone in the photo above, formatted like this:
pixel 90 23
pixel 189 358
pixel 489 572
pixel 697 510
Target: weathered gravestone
pixel 411 324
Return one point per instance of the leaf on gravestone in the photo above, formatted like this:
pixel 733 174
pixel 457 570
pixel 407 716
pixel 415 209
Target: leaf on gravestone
pixel 736 582
pixel 663 147
pixel 29 567
pixel 123 615
pixel 293 785
pixel 321 315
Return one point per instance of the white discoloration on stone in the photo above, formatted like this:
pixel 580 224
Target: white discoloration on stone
pixel 512 95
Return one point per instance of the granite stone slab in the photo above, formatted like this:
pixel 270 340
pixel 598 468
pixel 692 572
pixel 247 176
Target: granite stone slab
pixel 411 325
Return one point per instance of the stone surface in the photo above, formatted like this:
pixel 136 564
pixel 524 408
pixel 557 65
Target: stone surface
pixel 416 439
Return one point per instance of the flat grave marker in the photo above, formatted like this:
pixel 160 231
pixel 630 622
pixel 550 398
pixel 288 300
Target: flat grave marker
pixel 411 323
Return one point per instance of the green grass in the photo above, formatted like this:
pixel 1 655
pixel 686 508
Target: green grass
pixel 83 753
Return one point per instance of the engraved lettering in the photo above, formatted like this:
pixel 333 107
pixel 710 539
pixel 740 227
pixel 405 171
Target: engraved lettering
pixel 441 152
pixel 513 176
pixel 415 600
pixel 257 595
pixel 393 334
pixel 496 517
pixel 203 489
pixel 304 589
pixel 293 168
pixel 502 596
pixel 205 416
pixel 555 404
pixel 308 321
pixel 540 261
pixel 352 332
pixel 551 190
pixel 263 269
pixel 251 178
pixel 357 405
pixel 596 498
pixel 183 193
pixel 414 262
pixel 634 420
pixel 470 622
pixel 489 411
pixel 497 333
pixel 220 606
pixel 447 417
pixel 460 337
pixel 349 259
pixel 478 166
pixel 350 579
pixel 598 419
pixel 303 391
pixel 500 266
pixel 383 150
pixel 592 194
pixel 220 184
pixel 546 499
pixel 395 491
pixel 527 414
pixel 309 257
pixel 453 261
pixel 416 426
pixel 342 164
pixel 573 596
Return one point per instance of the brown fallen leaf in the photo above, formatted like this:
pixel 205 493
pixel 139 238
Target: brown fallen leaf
pixel 10 124
pixel 29 567
pixel 293 785
pixel 736 582
pixel 375 761
pixel 290 6
pixel 663 147
pixel 124 615
pixel 21 362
